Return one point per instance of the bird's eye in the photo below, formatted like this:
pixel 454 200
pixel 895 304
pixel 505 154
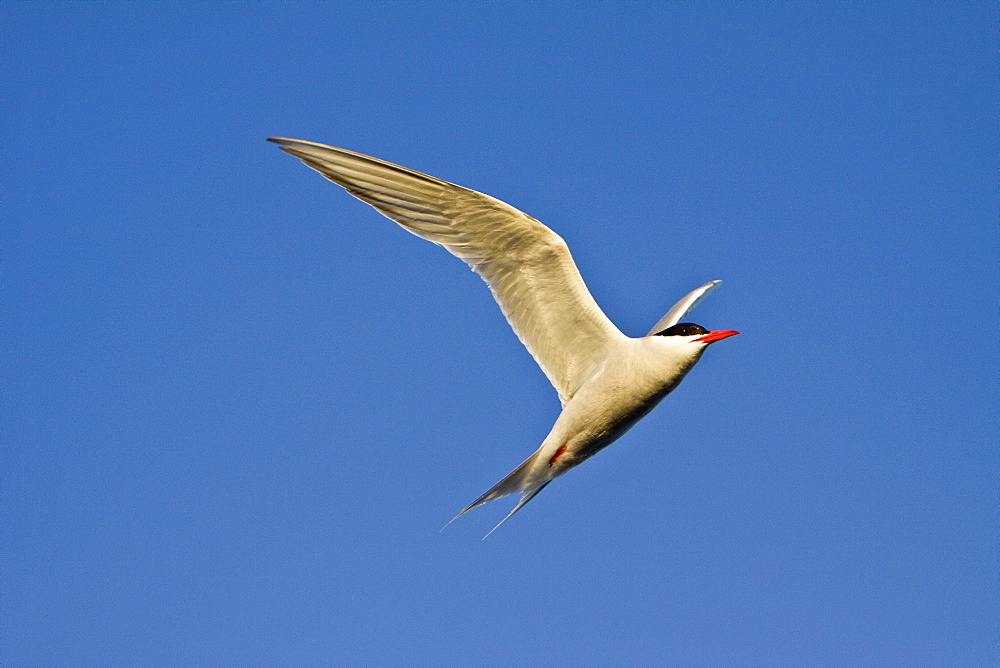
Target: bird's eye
pixel 683 329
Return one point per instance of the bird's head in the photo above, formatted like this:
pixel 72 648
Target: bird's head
pixel 691 333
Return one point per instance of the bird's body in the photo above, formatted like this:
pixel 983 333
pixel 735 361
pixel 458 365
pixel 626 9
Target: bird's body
pixel 606 381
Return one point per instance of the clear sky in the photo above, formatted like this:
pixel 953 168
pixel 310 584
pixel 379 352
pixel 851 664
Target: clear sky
pixel 238 405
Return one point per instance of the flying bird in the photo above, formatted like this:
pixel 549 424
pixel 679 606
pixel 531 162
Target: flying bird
pixel 606 381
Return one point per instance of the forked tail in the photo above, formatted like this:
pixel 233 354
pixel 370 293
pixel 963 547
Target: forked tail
pixel 517 481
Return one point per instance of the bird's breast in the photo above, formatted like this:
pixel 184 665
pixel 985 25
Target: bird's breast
pixel 592 421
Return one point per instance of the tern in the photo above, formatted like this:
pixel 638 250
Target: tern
pixel 606 380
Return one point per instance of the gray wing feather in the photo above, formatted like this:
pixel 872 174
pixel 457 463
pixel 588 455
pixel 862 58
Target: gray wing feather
pixel 527 266
pixel 684 306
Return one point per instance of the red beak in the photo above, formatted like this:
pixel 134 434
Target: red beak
pixel 717 335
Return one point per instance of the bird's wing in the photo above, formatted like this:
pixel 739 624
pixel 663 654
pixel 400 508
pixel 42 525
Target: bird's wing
pixel 527 266
pixel 684 306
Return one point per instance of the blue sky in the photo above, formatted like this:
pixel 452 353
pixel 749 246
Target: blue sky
pixel 238 404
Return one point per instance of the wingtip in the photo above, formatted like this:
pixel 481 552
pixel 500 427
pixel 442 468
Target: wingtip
pixel 287 144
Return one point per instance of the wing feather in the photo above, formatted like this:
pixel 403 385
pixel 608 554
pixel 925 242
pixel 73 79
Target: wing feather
pixel 527 266
pixel 684 306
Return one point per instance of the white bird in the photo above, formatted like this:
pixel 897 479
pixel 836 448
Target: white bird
pixel 606 381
